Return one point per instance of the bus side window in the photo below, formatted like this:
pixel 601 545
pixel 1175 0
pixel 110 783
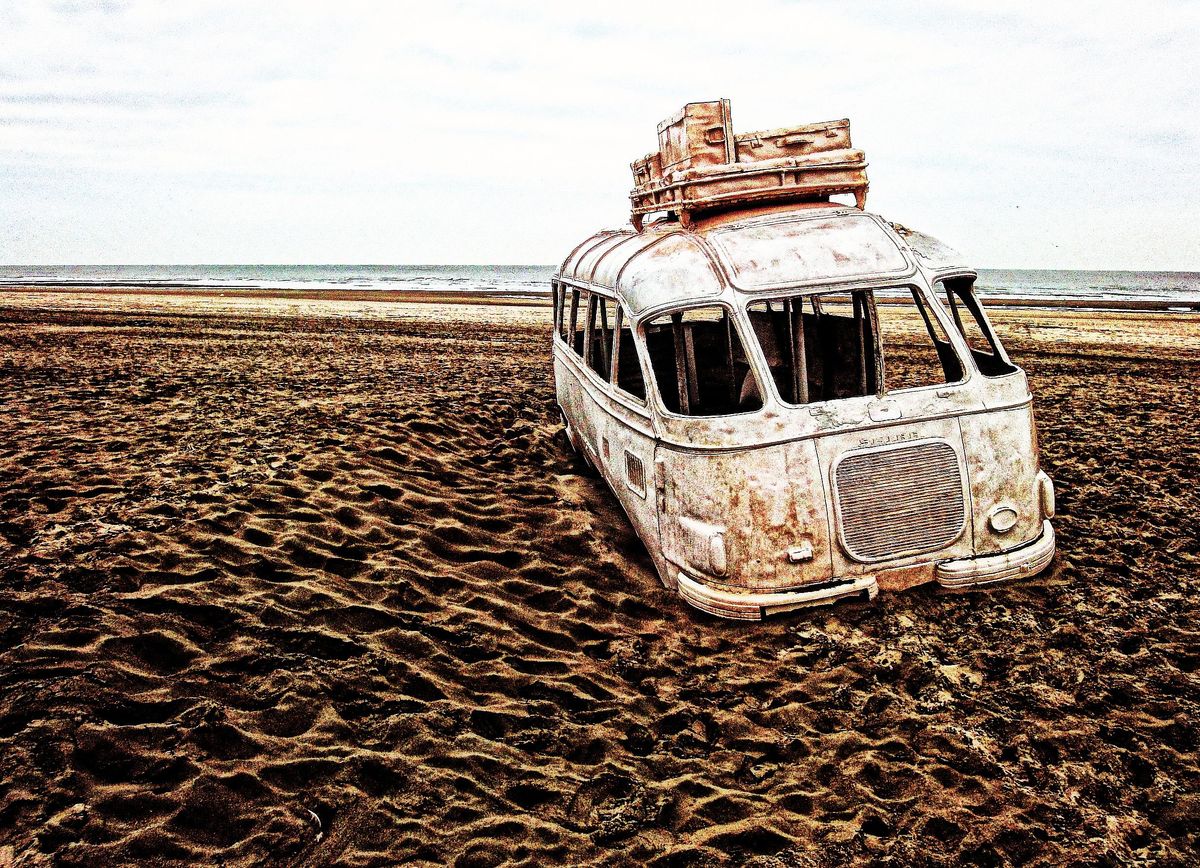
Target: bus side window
pixel 574 336
pixel 958 297
pixel 561 310
pixel 626 370
pixel 603 316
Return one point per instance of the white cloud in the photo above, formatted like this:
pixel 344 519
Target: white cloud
pixel 1049 135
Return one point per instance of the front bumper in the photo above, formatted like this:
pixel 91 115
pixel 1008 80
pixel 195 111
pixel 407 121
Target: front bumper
pixel 1028 560
pixel 754 607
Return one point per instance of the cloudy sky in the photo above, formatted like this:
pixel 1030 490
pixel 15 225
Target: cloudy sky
pixel 1035 135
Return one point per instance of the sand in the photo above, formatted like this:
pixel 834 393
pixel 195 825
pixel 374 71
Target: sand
pixel 317 581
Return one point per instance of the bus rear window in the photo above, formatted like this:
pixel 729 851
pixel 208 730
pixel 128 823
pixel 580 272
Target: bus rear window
pixel 836 345
pixel 700 366
pixel 818 348
pixel 958 297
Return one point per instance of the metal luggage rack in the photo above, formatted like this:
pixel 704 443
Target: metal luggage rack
pixel 701 165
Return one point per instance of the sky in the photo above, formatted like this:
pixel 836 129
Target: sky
pixel 1027 135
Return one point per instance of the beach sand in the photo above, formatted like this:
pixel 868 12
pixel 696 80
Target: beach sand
pixel 316 580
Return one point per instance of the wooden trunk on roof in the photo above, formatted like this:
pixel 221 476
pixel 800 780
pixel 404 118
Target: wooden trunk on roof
pixel 699 134
pixel 702 165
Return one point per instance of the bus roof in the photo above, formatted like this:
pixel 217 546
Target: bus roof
pixel 771 249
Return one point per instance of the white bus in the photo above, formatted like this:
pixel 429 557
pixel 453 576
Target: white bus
pixel 799 403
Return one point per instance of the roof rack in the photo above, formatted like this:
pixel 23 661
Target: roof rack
pixel 701 165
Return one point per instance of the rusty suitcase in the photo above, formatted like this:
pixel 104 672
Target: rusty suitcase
pixel 793 141
pixel 701 165
pixel 699 134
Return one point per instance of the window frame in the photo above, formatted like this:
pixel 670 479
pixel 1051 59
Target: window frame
pixel 929 309
pixel 567 331
pixel 939 287
pixel 598 325
pixel 576 295
pixel 615 360
pixel 753 359
pixel 556 294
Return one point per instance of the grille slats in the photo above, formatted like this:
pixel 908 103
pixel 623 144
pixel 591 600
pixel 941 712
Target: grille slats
pixel 900 501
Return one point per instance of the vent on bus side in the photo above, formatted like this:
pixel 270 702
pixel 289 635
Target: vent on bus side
pixel 635 474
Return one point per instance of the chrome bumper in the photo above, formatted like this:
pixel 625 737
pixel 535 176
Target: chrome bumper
pixel 753 607
pixel 1020 563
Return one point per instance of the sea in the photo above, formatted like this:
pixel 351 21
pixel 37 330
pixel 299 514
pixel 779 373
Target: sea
pixel 1166 288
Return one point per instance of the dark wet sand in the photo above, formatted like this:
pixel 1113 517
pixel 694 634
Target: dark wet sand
pixel 321 584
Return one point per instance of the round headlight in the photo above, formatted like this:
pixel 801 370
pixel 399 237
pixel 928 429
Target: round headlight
pixel 1003 519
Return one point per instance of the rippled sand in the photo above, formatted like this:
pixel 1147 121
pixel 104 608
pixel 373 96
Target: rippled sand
pixel 318 582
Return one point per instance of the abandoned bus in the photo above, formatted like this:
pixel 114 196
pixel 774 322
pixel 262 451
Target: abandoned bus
pixel 797 403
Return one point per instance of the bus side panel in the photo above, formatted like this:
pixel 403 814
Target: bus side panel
pixel 751 520
pixel 1002 462
pixel 620 444
pixel 573 400
pixel 627 464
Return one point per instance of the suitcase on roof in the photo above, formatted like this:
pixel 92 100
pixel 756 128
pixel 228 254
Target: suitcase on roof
pixel 699 134
pixel 793 141
pixel 701 165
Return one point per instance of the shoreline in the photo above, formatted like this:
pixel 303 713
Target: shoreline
pixel 385 295
pixel 503 298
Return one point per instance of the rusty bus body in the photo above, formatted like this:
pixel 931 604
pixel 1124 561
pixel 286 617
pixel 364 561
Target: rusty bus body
pixel 764 472
pixel 794 401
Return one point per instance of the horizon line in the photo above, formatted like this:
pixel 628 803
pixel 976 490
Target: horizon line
pixel 480 265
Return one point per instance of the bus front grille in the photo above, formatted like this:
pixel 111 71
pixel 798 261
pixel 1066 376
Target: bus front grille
pixel 900 501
